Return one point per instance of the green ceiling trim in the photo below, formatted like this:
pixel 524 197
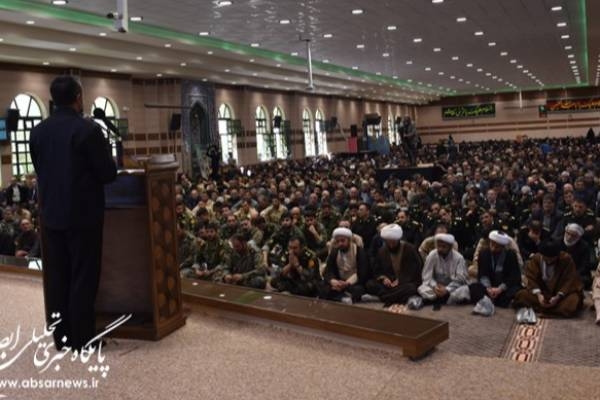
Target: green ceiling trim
pixel 48 10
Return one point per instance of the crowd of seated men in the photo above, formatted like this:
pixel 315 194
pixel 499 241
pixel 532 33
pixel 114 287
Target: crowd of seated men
pixel 509 224
pixel 18 228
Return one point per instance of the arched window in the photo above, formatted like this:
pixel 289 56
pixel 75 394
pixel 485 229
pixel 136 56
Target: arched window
pixel 228 138
pixel 281 149
pixel 309 137
pixel 111 112
pixel 264 147
pixel 31 114
pixel 321 135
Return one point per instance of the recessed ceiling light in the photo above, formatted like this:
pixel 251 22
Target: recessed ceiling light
pixel 571 56
pixel 46 63
pixel 565 37
pixel 573 62
pixel 204 80
pixel 113 70
pixel 395 76
pixel 568 47
pixel 392 27
pixel 59 2
pixel 227 70
pixel 378 73
pixel 519 67
pixel 556 8
pixel 437 49
pixel 183 64
pixel 513 61
pixel 461 19
pixel 491 44
pixel 168 45
pixel 479 33
pixel 102 34
pixel 357 11
pixel 440 73
pixel 488 74
pixel 385 55
pixel 203 33
pixel 409 62
pixel 139 58
pixel 455 58
pixel 72 49
pixel 460 79
pixel 561 24
pixel 328 35
pixel 427 68
pixel 224 3
pixel 254 74
pixel 437 1
pixel 469 65
pixel 159 75
pixel 251 60
pixel 285 22
pixel 360 46
pixel 324 61
pixel 479 69
pixel 294 54
pixel 452 77
pixel 355 68
pixel 255 44
pixel 136 19
pixel 504 54
pixel 417 40
pixel 30 22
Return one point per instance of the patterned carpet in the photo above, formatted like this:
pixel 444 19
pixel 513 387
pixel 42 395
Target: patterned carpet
pixel 559 341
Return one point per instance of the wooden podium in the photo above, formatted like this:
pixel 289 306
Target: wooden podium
pixel 140 274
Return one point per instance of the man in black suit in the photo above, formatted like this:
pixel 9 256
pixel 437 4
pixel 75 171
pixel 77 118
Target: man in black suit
pixel 73 162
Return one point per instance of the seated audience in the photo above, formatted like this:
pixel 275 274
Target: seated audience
pixel 27 243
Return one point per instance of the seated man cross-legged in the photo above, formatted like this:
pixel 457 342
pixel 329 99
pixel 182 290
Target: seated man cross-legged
pixel 499 275
pixel 553 284
pixel 300 274
pixel 397 268
pixel 346 270
pixel 445 277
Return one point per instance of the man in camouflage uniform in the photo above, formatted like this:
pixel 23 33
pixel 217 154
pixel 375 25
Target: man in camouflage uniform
pixel 230 228
pixel 300 273
pixel 245 266
pixel 277 244
pixel 211 256
pixel 329 218
pixel 315 234
pixel 186 218
pixel 188 246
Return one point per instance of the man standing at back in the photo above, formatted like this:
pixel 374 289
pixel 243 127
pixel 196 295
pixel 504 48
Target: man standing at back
pixel 73 162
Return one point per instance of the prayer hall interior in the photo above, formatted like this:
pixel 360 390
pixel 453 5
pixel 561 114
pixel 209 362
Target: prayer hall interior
pixel 313 199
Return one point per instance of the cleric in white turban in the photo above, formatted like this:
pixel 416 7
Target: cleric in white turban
pixel 343 232
pixel 391 232
pixel 445 275
pixel 500 238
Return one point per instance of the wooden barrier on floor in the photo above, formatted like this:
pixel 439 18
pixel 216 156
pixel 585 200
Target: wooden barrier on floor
pixel 416 336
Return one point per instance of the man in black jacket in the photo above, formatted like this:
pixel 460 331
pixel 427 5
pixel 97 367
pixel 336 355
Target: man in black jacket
pixel 397 269
pixel 346 270
pixel 73 162
pixel 499 276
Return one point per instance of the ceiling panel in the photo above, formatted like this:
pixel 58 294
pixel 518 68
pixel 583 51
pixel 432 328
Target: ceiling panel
pixel 449 60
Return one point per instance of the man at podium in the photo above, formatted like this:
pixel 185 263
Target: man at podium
pixel 73 161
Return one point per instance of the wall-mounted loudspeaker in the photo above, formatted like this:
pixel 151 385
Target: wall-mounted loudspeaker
pixel 12 119
pixel 277 122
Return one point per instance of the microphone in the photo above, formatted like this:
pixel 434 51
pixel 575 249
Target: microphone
pixel 101 115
